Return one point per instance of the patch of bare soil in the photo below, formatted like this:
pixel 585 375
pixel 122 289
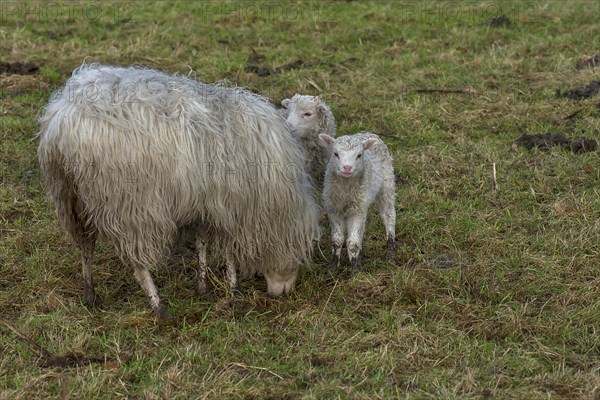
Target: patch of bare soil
pixel 13 215
pixel 502 20
pixel 590 63
pixel 580 93
pixel 18 68
pixel 545 141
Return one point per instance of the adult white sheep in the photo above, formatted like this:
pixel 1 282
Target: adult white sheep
pixel 135 154
pixel 307 118
pixel 359 173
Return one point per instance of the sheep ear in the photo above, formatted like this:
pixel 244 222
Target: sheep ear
pixel 326 139
pixel 320 108
pixel 285 102
pixel 367 144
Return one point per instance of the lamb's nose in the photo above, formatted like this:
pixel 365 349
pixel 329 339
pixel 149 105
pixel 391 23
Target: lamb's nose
pixel 347 168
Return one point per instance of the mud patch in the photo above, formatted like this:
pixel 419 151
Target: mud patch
pixel 580 93
pixel 318 361
pixel 18 68
pixel 583 145
pixel 14 215
pixel 545 141
pixel 502 20
pixel 542 141
pixel 590 63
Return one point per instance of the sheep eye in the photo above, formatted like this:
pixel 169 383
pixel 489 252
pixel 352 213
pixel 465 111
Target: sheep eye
pixel 337 155
pixel 358 156
pixel 307 114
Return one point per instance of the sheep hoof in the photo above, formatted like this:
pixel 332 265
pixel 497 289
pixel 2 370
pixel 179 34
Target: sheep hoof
pixel 89 297
pixel 237 293
pixel 333 270
pixel 391 249
pixel 162 313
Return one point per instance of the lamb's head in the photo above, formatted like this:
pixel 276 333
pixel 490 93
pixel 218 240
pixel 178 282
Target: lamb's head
pixel 346 154
pixel 305 114
pixel 281 282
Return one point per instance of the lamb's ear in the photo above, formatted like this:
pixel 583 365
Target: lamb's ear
pixel 285 102
pixel 320 108
pixel 326 139
pixel 367 144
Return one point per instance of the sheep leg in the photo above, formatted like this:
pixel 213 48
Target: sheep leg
pixel 85 237
pixel 202 279
pixel 337 238
pixel 387 211
pixel 145 280
pixel 87 244
pixel 356 230
pixel 232 279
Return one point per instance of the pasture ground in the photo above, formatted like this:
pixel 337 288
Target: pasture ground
pixel 495 293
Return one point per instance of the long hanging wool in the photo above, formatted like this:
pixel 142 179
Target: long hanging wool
pixel 134 154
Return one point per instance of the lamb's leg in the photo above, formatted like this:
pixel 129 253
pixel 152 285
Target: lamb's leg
pixel 202 279
pixel 356 230
pixel 232 279
pixel 145 280
pixel 386 203
pixel 87 244
pixel 337 238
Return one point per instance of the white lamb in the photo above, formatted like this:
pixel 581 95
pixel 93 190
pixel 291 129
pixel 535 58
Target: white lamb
pixel 359 173
pixel 308 117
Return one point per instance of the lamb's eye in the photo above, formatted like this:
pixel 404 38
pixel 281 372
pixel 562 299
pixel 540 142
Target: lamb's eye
pixel 358 156
pixel 337 155
pixel 307 114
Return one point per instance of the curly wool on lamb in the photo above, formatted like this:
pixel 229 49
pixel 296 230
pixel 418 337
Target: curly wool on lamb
pixel 308 117
pixel 359 173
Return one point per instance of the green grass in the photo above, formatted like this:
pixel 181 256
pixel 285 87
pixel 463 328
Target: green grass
pixel 516 316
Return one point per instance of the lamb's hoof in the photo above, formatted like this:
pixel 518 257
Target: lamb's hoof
pixel 162 313
pixel 89 298
pixel 391 249
pixel 355 264
pixel 237 293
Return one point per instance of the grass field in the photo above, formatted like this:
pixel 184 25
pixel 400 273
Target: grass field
pixel 495 293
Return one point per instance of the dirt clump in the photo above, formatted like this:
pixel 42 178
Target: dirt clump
pixel 590 63
pixel 580 93
pixel 546 141
pixel 18 68
pixel 583 145
pixel 502 20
